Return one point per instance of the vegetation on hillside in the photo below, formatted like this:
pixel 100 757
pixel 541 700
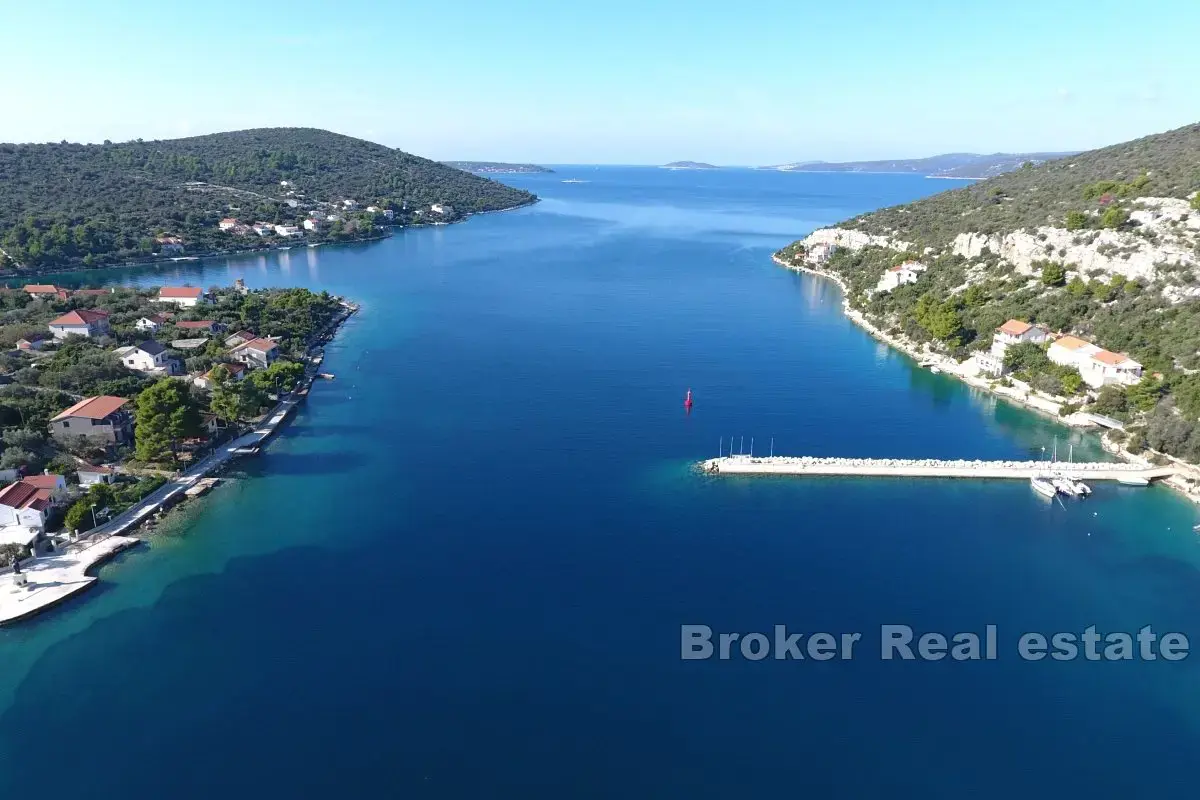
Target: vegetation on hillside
pixel 63 204
pixel 956 304
pixel 1163 165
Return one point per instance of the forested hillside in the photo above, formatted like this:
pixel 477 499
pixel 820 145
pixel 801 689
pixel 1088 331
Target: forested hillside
pixel 95 204
pixel 1104 245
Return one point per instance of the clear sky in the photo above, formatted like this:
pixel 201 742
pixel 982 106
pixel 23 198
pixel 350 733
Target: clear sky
pixel 620 81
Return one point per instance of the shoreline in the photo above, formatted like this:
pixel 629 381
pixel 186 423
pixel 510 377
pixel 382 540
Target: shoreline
pixel 19 274
pixel 948 366
pixel 66 573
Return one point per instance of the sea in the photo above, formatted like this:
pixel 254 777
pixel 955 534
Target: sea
pixel 464 570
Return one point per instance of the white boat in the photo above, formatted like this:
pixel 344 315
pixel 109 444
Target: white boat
pixel 1081 488
pixel 1043 487
pixel 1133 480
pixel 574 180
pixel 1065 486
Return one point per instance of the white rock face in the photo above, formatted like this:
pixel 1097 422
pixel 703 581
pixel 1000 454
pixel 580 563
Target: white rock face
pixel 851 240
pixel 1112 252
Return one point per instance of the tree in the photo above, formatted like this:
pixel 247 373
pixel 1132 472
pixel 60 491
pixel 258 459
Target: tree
pixel 165 414
pixel 1071 380
pixel 79 515
pixel 1111 401
pixel 1077 287
pixel 1145 394
pixel 1025 357
pixel 1076 220
pixel 1196 201
pixel 1114 217
pixel 1054 274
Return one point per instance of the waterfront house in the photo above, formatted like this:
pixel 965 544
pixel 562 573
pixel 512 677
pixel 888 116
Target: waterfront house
pixel 228 224
pixel 46 291
pixel 152 323
pixel 820 253
pixel 169 245
pixel 439 208
pixel 990 364
pixel 256 353
pixel 1016 331
pixel 263 228
pixel 25 505
pixel 199 325
pixel 312 224
pixel 34 341
pixel 900 275
pixel 1097 366
pixel 81 322
pixel 182 296
pixel 103 419
pixel 56 485
pixel 288 231
pixel 149 356
pixel 240 287
pixel 90 475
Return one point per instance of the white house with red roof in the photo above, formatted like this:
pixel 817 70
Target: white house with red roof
pixel 26 505
pixel 1097 366
pixel 81 322
pixel 34 341
pixel 182 296
pixel 900 275
pixel 229 223
pixel 46 290
pixel 1016 331
pixel 103 419
pixel 260 353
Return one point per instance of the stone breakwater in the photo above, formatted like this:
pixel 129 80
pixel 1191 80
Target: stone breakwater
pixel 926 468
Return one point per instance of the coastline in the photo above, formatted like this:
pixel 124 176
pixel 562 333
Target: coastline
pixel 66 573
pixel 1185 482
pixel 20 274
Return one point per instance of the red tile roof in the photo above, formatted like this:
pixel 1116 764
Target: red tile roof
pixel 1071 342
pixel 1108 357
pixel 93 408
pixel 83 316
pixel 41 288
pixel 261 345
pixel 1015 327
pixel 180 291
pixel 24 495
pixel 42 481
pixel 207 323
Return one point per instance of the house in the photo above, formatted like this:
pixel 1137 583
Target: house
pixel 1098 367
pixel 288 230
pixel 228 224
pixel 56 485
pixel 183 296
pixel 1016 331
pixel 438 208
pixel 241 337
pixel 189 344
pixel 387 212
pixel 263 228
pixel 237 372
pixel 239 286
pixel 103 419
pixel 205 325
pixel 33 342
pixel 169 244
pixel 211 423
pixel 46 291
pixel 312 224
pixel 820 253
pixel 152 323
pixel 81 322
pixel 23 504
pixel 988 363
pixel 149 356
pixel 90 475
pixel 900 275
pixel 349 204
pixel 260 353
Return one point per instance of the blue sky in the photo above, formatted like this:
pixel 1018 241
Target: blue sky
pixel 613 82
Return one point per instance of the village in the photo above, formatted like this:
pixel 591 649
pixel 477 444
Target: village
pixel 108 394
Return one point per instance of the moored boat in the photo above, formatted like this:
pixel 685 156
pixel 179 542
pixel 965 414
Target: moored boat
pixel 1043 487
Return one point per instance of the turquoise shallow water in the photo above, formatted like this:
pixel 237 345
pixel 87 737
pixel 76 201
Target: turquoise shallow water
pixel 462 570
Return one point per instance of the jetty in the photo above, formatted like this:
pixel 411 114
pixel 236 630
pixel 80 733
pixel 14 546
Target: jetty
pixel 47 581
pixel 740 464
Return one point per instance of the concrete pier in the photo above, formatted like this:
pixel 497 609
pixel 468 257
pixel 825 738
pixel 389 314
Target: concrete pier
pixel 927 468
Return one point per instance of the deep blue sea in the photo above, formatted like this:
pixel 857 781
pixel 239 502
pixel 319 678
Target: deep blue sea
pixel 462 571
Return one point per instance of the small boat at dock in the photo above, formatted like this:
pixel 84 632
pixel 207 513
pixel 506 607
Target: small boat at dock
pixel 1044 487
pixel 1133 480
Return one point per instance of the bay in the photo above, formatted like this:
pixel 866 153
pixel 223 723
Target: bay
pixel 462 570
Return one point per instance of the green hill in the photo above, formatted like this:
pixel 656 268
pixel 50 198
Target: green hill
pixel 63 204
pixel 1104 245
pixel 1044 194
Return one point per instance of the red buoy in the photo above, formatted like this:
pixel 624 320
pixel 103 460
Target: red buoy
pixel 687 401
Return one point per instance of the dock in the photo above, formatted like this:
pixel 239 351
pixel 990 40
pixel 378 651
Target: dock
pixel 927 468
pixel 201 487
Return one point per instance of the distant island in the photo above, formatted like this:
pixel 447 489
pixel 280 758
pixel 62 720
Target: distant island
pixel 91 205
pixel 973 166
pixel 495 167
pixel 689 165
